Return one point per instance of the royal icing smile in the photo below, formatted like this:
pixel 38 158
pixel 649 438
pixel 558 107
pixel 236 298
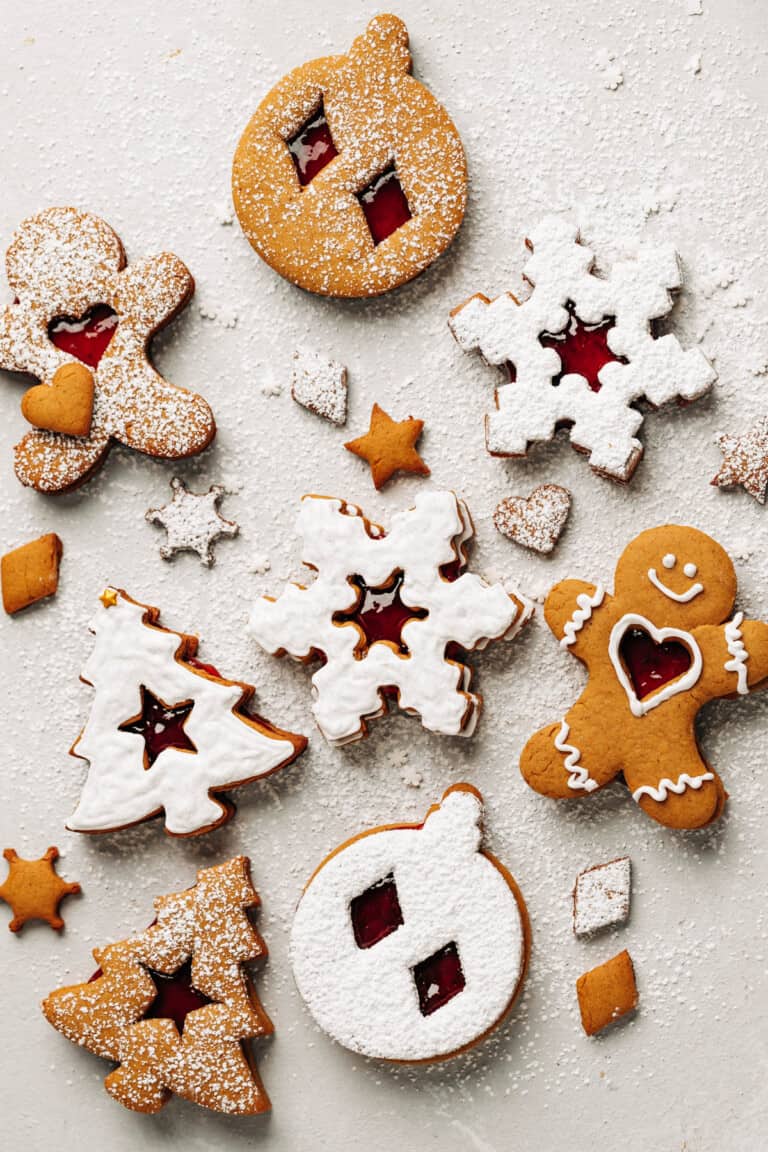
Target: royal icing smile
pixel 690 570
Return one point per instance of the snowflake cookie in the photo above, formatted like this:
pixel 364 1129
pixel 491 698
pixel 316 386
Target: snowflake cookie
pixel 391 614
pixel 580 351
pixel 192 521
pixel 173 1006
pixel 34 890
pixel 165 733
pixel 81 323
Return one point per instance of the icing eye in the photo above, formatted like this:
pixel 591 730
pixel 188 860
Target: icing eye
pixel 669 560
pixel 384 204
pixel 438 979
pixel 312 147
pixel 376 913
pixel 690 571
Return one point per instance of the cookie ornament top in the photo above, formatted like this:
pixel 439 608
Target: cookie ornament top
pixel 657 651
pixel 81 323
pixel 350 178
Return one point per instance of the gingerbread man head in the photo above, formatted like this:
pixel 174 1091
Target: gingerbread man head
pixel 81 322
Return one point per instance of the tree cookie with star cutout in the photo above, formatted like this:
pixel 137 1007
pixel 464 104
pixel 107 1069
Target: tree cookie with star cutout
pixel 657 649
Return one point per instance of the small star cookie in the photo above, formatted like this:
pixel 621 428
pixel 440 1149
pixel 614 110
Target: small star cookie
pixel 745 461
pixel 34 890
pixel 192 521
pixel 389 446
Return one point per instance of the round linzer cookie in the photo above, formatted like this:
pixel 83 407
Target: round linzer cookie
pixel 425 937
pixel 81 323
pixel 350 178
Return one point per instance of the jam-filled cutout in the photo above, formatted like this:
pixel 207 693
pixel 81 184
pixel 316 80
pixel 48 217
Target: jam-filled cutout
pixel 438 979
pixel 161 725
pixel 385 205
pixel 86 337
pixel 176 995
pixel 312 147
pixel 582 348
pixel 650 665
pixel 380 613
pixel 376 913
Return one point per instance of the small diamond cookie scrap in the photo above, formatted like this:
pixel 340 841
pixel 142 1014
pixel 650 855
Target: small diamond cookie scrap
pixel 386 613
pixel 601 896
pixel 192 521
pixel 319 385
pixel 569 306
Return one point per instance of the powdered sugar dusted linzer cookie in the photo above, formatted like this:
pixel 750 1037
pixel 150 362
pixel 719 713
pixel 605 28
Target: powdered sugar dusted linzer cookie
pixel 534 521
pixel 350 178
pixel 581 351
pixel 657 650
pixel 166 733
pixel 82 323
pixel 390 614
pixel 174 1006
pixel 428 932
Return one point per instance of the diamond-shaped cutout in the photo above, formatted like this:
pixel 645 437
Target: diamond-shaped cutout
pixel 312 147
pixel 385 205
pixel 376 913
pixel 438 979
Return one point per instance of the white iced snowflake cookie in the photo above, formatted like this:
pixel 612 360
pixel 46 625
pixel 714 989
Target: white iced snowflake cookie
pixel 192 521
pixel 165 733
pixel 425 937
pixel 389 613
pixel 319 385
pixel 581 350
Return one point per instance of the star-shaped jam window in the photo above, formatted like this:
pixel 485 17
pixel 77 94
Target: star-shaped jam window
pixel 34 890
pixel 381 614
pixel 176 996
pixel 389 446
pixel 161 725
pixel 745 461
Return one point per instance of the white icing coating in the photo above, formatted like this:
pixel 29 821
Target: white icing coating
pixel 466 611
pixel 665 786
pixel 449 892
pixel 582 613
pixel 604 423
pixel 739 654
pixel 658 635
pixel 119 790
pixel 679 597
pixel 669 560
pixel 601 896
pixel 690 570
pixel 579 779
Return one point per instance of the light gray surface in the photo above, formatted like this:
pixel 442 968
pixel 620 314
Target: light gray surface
pixel 133 111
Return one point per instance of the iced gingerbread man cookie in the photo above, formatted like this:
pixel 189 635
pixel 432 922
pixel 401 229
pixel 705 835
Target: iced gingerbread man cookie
pixel 657 650
pixel 581 351
pixel 427 933
pixel 166 733
pixel 350 178
pixel 390 614
pixel 82 323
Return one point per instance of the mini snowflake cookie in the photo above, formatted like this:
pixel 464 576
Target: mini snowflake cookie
pixel 350 178
pixel 428 936
pixel 319 385
pixel 165 733
pixel 192 521
pixel 34 890
pixel 173 1006
pixel 581 351
pixel 657 650
pixel 601 896
pixel 81 323
pixel 390 614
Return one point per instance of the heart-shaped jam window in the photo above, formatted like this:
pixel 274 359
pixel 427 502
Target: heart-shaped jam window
pixel 650 665
pixel 86 336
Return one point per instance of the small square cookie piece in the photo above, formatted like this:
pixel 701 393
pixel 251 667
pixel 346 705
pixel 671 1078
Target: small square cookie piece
pixel 30 572
pixel 601 896
pixel 607 993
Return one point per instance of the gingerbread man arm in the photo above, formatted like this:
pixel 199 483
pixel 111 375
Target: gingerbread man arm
pixel 568 610
pixel 735 656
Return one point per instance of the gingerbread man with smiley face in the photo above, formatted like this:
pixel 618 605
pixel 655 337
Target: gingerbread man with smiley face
pixel 657 650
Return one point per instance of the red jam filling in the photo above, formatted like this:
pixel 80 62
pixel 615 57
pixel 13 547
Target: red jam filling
pixel 312 148
pixel 651 665
pixel 375 913
pixel 176 995
pixel 384 205
pixel 380 613
pixel 85 337
pixel 438 979
pixel 209 668
pixel 161 725
pixel 582 348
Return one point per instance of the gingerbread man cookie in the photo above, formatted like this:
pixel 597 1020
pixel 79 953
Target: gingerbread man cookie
pixel 657 650
pixel 350 178
pixel 81 323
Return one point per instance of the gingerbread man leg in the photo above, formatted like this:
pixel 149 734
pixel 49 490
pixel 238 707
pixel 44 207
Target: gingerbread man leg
pixel 52 462
pixel 675 786
pixel 572 758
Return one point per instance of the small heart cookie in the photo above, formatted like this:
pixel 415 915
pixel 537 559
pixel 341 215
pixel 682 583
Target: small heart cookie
pixel 65 405
pixel 534 521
